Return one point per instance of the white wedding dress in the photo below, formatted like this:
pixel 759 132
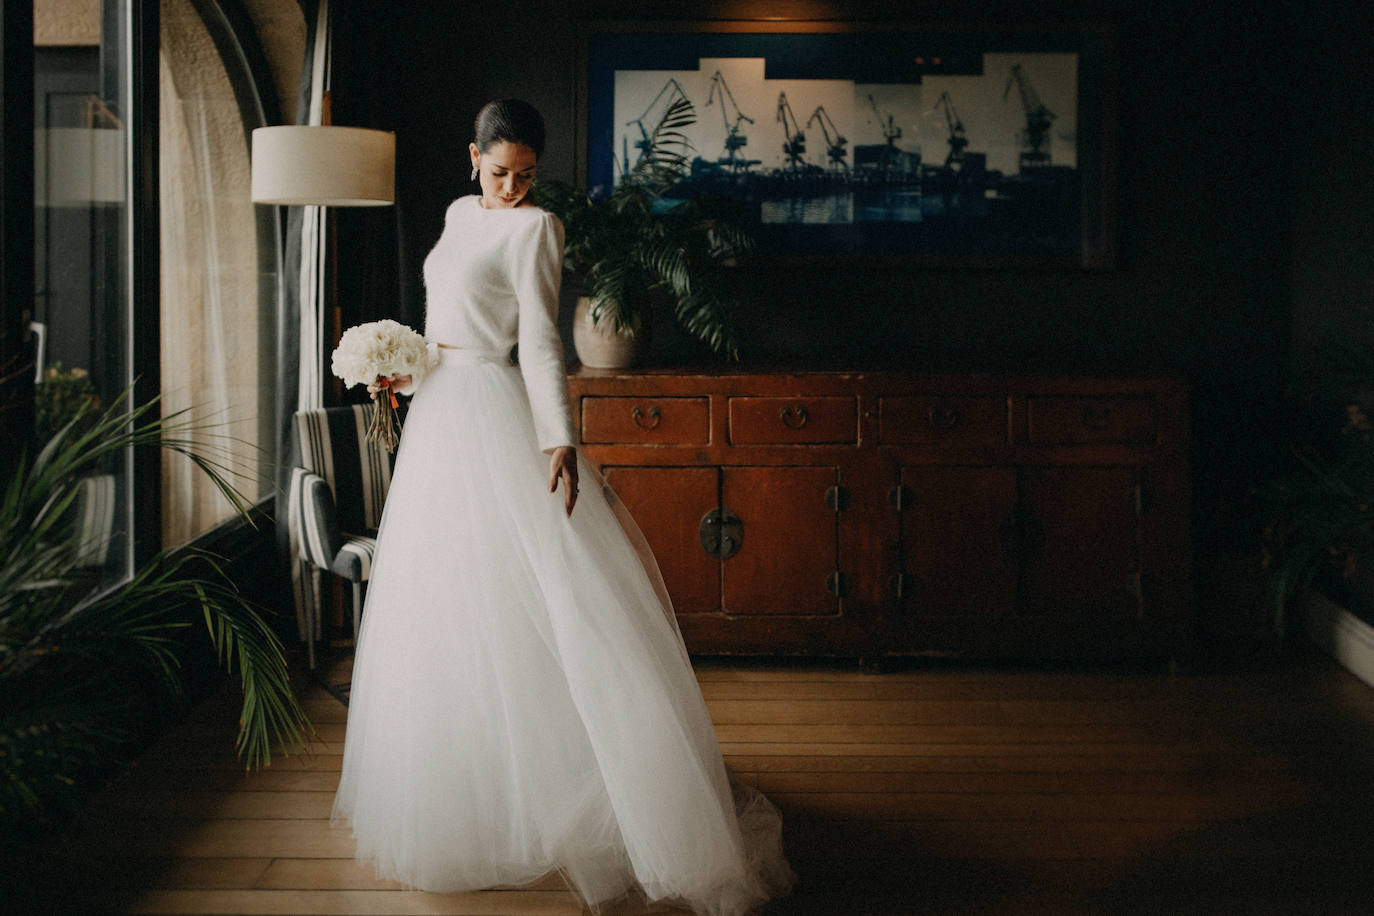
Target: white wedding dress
pixel 521 698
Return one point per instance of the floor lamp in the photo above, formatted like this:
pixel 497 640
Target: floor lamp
pixel 327 166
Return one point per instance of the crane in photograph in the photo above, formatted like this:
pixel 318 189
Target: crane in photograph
pixel 670 93
pixel 1035 137
pixel 834 142
pixel 734 140
pixel 957 140
pixel 891 134
pixel 794 141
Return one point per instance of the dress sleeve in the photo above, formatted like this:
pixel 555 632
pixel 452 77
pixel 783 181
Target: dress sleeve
pixel 537 274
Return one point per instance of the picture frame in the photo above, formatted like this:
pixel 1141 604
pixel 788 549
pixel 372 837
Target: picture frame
pixel 926 144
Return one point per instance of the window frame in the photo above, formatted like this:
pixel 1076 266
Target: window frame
pixel 16 231
pixel 143 305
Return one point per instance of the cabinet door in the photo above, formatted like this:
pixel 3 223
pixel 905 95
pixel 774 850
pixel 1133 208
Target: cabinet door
pixel 1083 561
pixel 667 504
pixel 788 551
pixel 954 541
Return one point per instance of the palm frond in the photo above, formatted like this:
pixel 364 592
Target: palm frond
pixel 63 643
pixel 709 317
pixel 667 150
pixel 1320 519
pixel 616 288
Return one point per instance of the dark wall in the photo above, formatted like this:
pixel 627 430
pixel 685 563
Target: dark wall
pixel 1216 165
pixel 1332 255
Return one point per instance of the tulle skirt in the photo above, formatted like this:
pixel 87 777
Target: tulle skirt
pixel 521 698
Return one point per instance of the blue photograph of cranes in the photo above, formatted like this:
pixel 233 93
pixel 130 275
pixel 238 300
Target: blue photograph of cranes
pixel 885 142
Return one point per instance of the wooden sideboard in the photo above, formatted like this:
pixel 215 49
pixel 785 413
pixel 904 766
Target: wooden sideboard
pixel 874 514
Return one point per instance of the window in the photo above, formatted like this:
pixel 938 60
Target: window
pixel 217 255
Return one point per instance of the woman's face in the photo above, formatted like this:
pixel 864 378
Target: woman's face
pixel 505 171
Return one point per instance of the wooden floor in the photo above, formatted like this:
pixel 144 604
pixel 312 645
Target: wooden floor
pixel 932 789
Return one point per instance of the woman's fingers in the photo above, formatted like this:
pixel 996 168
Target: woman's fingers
pixel 570 489
pixel 563 466
pixel 392 381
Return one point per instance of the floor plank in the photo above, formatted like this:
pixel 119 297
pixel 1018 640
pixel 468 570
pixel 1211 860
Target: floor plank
pixel 324 902
pixel 350 874
pixel 925 789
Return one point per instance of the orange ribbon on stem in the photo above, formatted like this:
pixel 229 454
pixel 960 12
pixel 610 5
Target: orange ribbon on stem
pixel 384 382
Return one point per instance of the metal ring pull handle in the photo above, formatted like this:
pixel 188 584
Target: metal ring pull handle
pixel 945 416
pixel 654 416
pixel 794 417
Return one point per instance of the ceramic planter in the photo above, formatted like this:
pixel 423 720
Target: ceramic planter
pixel 600 346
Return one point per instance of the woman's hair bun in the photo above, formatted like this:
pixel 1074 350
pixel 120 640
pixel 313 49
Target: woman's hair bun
pixel 509 121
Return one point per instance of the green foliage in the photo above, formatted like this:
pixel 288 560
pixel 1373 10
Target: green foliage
pixel 1321 514
pixel 80 666
pixel 59 396
pixel 628 254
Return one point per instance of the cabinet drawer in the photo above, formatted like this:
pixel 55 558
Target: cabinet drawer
pixel 1088 420
pixel 958 420
pixel 781 421
pixel 662 421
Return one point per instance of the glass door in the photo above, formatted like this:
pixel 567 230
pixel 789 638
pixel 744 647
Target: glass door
pixel 81 250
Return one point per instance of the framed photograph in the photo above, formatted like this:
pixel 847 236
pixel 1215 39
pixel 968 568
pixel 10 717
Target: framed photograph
pixel 933 144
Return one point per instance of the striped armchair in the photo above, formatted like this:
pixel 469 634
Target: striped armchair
pixel 334 503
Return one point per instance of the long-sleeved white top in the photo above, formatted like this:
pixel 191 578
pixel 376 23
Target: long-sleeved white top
pixel 492 281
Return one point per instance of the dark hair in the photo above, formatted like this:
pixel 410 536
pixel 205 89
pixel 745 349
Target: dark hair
pixel 509 121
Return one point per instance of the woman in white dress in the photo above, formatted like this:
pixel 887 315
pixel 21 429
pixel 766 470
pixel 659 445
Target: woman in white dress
pixel 521 699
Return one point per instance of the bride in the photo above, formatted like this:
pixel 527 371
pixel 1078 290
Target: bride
pixel 522 701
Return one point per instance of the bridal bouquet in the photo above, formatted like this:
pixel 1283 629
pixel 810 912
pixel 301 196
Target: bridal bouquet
pixel 369 354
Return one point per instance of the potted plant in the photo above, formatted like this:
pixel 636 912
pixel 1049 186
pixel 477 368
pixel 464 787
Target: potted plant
pixel 83 670
pixel 1319 534
pixel 59 396
pixel 638 246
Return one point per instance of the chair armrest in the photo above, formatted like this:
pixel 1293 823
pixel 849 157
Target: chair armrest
pixel 313 517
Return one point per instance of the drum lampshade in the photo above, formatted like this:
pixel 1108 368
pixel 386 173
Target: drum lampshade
pixel 324 165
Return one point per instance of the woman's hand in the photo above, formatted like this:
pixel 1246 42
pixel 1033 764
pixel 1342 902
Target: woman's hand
pixel 395 381
pixel 563 465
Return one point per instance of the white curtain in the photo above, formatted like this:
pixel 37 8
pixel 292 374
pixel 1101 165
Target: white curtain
pixel 210 310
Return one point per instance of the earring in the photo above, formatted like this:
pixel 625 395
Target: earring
pixel 474 173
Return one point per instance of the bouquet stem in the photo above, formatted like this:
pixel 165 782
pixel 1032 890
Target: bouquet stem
pixel 383 426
